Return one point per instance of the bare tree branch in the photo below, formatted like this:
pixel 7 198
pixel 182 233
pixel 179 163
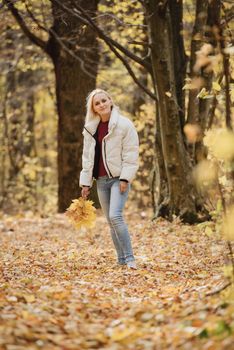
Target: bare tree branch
pixel 220 289
pixel 78 12
pixel 38 41
pixel 60 41
pixel 125 51
pixel 71 53
pixel 130 71
pixel 113 45
pixel 141 43
pixel 34 19
pixel 119 21
pixel 132 74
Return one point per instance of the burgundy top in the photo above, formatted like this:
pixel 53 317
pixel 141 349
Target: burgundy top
pixel 102 132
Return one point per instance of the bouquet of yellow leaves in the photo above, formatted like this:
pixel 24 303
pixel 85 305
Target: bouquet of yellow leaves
pixel 81 213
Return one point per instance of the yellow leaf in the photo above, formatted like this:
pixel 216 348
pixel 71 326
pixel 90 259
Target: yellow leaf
pixel 208 231
pixel 61 295
pixel 216 86
pixel 204 94
pixel 29 298
pixel 81 213
pixel 123 335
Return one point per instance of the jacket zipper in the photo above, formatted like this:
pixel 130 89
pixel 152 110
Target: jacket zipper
pixel 108 170
pixel 88 131
pixel 105 158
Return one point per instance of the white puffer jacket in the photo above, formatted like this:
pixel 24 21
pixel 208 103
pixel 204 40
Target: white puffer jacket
pixel 120 149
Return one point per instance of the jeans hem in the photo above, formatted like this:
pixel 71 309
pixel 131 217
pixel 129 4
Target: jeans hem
pixel 129 259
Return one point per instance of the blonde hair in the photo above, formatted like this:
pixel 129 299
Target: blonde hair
pixel 90 114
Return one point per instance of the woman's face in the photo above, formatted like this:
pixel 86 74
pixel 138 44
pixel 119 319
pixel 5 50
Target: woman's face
pixel 102 104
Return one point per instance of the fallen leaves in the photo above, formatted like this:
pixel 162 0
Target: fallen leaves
pixel 62 290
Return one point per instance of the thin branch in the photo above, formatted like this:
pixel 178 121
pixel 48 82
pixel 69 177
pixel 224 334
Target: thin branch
pixel 59 40
pixel 119 21
pixel 71 53
pixel 220 289
pixel 78 12
pixel 63 45
pixel 125 51
pixel 132 74
pixel 110 42
pixel 35 20
pixel 38 41
pixel 142 43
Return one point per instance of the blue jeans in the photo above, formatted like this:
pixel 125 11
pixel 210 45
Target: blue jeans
pixel 112 203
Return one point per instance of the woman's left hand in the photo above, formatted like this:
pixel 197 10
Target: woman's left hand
pixel 123 186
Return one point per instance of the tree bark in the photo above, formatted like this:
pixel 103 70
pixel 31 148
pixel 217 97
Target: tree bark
pixel 205 30
pixel 73 49
pixel 179 56
pixel 182 199
pixel 196 43
pixel 160 191
pixel 74 80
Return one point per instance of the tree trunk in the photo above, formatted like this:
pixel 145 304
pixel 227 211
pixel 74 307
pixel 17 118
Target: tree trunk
pixel 196 43
pixel 73 49
pixel 29 148
pixel 159 185
pixel 139 97
pixel 29 143
pixel 179 56
pixel 75 78
pixel 3 176
pixel 182 199
pixel 204 31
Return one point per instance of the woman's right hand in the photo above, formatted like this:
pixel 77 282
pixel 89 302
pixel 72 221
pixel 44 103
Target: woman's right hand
pixel 85 192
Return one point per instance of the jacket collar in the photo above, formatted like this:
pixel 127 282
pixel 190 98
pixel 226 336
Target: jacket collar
pixel 91 126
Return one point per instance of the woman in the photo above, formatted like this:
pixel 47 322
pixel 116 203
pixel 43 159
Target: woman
pixel 110 155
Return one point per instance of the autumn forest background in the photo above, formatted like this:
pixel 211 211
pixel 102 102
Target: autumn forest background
pixel 169 66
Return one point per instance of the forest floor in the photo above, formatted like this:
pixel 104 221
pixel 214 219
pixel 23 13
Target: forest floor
pixel 60 288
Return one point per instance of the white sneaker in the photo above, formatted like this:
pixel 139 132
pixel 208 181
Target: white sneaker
pixel 132 265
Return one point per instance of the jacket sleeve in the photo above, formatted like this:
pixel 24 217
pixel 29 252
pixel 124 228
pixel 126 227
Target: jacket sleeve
pixel 130 153
pixel 86 178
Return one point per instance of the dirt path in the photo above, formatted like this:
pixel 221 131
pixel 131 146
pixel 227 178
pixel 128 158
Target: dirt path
pixel 62 289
